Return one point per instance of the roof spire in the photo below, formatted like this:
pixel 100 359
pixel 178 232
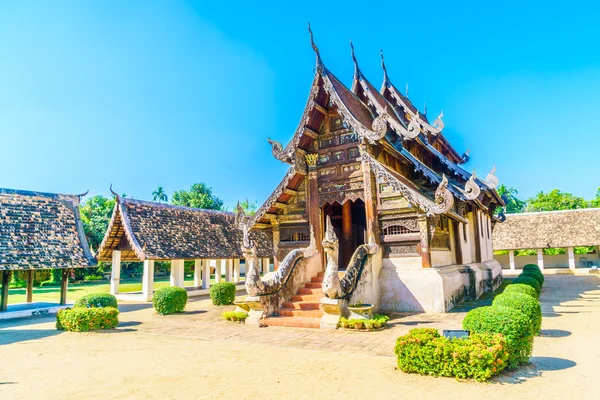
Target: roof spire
pixel 385 75
pixel 425 109
pixel 407 89
pixel 115 194
pixel 314 46
pixel 356 69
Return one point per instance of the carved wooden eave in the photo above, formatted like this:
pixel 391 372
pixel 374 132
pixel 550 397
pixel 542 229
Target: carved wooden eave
pixel 120 219
pixel 273 199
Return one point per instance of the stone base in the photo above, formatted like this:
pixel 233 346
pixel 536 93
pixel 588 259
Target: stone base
pixel 334 309
pixel 257 310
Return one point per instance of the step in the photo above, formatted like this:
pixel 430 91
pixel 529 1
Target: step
pixel 310 291
pixel 292 312
pixel 307 297
pixel 314 285
pixel 301 305
pixel 297 322
pixel 316 279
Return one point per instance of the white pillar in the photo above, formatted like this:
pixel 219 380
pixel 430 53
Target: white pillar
pixel 115 274
pixel 229 270
pixel 571 254
pixel 197 272
pixel 265 265
pixel 540 259
pixel 236 270
pixel 217 271
pixel 205 274
pixel 511 256
pixel 148 280
pixel 176 273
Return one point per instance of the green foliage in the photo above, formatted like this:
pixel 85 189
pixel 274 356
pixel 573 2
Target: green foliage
pixel 17 281
pixel 595 203
pixel 532 267
pixel 521 288
pixel 478 357
pixel 527 280
pixel 95 216
pixel 98 300
pixel 529 305
pixel 160 195
pixel 235 316
pixel 87 319
pixel 514 204
pixel 92 278
pixel 248 206
pixel 169 300
pixel 378 321
pixel 511 323
pixel 538 276
pixel 49 283
pixel 555 200
pixel 222 293
pixel 199 196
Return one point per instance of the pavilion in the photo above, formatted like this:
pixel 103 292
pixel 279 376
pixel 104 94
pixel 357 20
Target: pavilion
pixel 551 229
pixel 143 231
pixel 40 231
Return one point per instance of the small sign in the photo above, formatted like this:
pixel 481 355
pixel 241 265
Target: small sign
pixel 456 334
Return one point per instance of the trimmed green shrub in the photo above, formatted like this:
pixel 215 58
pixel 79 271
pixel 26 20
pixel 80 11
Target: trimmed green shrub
pixel 87 319
pixel 478 357
pixel 378 321
pixel 527 280
pixel 511 323
pixel 526 304
pixel 96 300
pixel 169 300
pixel 222 293
pixel 92 278
pixel 532 267
pixel 521 288
pixel 535 275
pixel 49 284
pixel 235 316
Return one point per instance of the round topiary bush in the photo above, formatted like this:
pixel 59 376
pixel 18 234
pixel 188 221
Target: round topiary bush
pixel 527 280
pixel 532 267
pixel 222 293
pixel 511 323
pixel 87 319
pixel 525 303
pixel 521 288
pixel 96 300
pixel 169 300
pixel 535 275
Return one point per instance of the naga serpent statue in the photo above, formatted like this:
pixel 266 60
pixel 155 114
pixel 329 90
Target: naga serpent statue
pixel 333 286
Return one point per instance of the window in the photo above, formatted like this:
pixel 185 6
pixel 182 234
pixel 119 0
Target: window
pixel 396 230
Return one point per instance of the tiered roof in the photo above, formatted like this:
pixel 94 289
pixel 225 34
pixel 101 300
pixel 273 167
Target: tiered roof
pixel 41 231
pixel 145 230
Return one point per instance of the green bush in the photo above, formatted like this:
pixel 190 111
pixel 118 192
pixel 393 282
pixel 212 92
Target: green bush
pixel 169 300
pixel 87 319
pixel 222 293
pixel 521 288
pixel 49 284
pixel 378 321
pixel 532 267
pixel 511 323
pixel 97 300
pixel 535 275
pixel 527 280
pixel 92 278
pixel 478 357
pixel 235 316
pixel 526 304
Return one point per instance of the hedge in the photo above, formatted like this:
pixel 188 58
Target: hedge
pixel 521 288
pixel 169 300
pixel 535 275
pixel 235 316
pixel 511 323
pixel 425 352
pixel 378 321
pixel 222 293
pixel 524 303
pixel 96 300
pixel 87 319
pixel 527 280
pixel 532 267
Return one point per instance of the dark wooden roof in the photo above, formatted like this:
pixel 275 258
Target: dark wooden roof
pixel 41 231
pixel 154 231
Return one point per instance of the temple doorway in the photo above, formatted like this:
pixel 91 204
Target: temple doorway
pixel 349 223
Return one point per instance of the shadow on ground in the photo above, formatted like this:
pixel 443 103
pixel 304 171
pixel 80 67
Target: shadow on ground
pixel 537 366
pixel 9 336
pixel 556 333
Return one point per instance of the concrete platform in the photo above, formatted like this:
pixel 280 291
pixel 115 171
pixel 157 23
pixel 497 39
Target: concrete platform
pixel 22 310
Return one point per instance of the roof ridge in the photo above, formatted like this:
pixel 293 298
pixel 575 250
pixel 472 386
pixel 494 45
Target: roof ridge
pixel 173 206
pixel 553 211
pixel 33 193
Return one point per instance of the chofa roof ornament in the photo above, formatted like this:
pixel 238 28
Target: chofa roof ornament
pixel 472 189
pixel 465 157
pixel 492 180
pixel 414 127
pixel 438 124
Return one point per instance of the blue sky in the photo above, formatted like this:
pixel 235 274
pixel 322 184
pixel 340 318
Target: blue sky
pixel 147 93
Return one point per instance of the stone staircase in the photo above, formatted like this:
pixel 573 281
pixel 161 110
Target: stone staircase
pixel 303 309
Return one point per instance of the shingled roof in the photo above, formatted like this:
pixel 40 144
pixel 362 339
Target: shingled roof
pixel 569 228
pixel 144 230
pixel 41 231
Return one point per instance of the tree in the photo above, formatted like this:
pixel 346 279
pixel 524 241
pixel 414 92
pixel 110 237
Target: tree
pixel 199 196
pixel 513 203
pixel 160 195
pixel 595 203
pixel 555 200
pixel 95 216
pixel 249 207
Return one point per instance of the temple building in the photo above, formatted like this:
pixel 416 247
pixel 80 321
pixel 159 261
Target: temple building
pixel 39 231
pixel 399 203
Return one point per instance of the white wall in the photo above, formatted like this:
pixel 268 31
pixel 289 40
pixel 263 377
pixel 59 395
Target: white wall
pixel 550 261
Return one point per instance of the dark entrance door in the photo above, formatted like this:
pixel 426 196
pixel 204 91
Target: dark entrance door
pixel 349 222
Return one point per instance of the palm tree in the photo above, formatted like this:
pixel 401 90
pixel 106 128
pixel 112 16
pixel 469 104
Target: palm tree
pixel 159 195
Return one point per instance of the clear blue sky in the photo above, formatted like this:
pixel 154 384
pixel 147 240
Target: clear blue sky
pixel 147 93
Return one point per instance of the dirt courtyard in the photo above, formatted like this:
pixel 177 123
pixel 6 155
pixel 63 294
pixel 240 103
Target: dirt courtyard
pixel 196 355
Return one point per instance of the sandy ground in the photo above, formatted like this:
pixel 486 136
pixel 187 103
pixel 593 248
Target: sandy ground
pixel 148 357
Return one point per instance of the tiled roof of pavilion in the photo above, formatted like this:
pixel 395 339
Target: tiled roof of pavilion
pixel 539 230
pixel 154 231
pixel 41 231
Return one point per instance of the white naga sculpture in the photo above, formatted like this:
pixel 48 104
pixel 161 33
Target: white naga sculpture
pixel 472 189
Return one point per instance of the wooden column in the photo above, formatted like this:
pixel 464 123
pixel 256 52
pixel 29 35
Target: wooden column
pixel 30 276
pixel 424 232
pixel 313 210
pixel 4 290
pixel 370 184
pixel 64 284
pixel 346 232
pixel 457 242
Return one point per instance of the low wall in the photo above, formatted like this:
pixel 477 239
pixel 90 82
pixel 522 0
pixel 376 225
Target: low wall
pixel 550 261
